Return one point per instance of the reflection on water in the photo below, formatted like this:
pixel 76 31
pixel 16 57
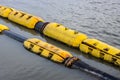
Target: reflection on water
pixel 97 19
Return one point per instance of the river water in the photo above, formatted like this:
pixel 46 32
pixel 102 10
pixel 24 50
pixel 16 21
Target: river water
pixel 97 18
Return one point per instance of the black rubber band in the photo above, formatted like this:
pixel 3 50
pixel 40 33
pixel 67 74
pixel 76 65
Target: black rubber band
pixel 39 26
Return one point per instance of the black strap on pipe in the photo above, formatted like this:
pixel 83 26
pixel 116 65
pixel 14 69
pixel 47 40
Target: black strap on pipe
pixel 83 66
pixel 39 26
pixel 14 35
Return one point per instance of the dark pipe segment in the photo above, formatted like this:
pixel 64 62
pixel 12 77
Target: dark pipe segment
pixel 83 66
pixel 14 35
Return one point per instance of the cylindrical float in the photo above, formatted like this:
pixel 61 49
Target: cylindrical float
pixel 47 50
pixel 63 34
pixel 101 50
pixel 5 11
pixel 24 19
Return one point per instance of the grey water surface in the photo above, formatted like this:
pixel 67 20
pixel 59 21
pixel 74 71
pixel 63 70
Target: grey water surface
pixel 97 18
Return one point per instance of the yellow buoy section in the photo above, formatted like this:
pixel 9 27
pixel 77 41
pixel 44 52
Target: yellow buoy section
pixel 63 34
pixel 5 11
pixel 2 28
pixel 46 50
pixel 24 19
pixel 101 50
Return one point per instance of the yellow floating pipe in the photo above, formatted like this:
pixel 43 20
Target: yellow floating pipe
pixel 63 34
